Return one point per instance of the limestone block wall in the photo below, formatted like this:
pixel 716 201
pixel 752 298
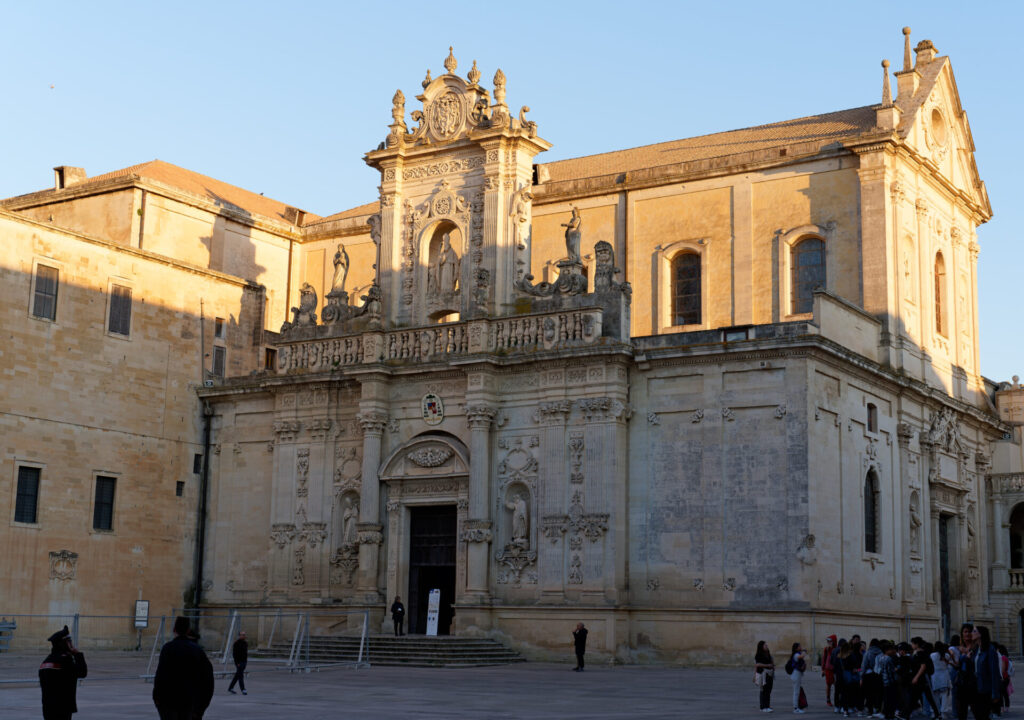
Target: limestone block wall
pixel 79 402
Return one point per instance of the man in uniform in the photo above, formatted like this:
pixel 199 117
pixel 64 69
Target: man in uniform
pixel 58 677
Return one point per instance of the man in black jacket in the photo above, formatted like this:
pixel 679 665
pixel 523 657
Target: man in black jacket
pixel 179 679
pixel 58 677
pixel 579 639
pixel 240 652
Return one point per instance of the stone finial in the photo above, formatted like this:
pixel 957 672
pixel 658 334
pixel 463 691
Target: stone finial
pixel 427 80
pixel 473 75
pixel 450 63
pixel 908 63
pixel 886 89
pixel 499 87
pixel 926 52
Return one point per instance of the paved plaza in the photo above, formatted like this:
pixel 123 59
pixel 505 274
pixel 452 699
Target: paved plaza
pixel 529 690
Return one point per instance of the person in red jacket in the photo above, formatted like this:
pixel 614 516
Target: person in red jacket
pixel 827 671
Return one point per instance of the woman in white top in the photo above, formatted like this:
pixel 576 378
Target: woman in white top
pixel 940 678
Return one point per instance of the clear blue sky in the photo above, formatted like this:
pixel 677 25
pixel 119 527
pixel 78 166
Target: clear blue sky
pixel 284 98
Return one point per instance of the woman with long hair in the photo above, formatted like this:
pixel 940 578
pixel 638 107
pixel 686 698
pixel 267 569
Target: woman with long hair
pixel 764 667
pixel 827 671
pixel 798 662
pixel 988 678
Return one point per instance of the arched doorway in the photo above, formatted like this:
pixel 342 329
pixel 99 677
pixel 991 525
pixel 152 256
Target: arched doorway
pixel 1017 537
pixel 426 488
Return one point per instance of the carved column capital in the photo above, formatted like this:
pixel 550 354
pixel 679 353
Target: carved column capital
pixel 904 433
pixel 553 413
pixel 897 191
pixel 372 423
pixel 480 416
pixel 922 208
pixel 370 533
pixel 477 531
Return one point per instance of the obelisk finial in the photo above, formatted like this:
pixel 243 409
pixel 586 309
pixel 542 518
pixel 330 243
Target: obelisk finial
pixel 886 89
pixel 450 63
pixel 908 63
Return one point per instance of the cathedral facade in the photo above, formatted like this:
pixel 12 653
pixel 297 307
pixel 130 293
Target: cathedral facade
pixel 693 394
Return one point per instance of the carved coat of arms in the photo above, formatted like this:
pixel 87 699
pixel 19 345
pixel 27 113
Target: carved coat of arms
pixel 433 409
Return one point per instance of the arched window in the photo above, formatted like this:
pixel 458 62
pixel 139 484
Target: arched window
pixel 871 539
pixel 872 417
pixel 941 325
pixel 686 291
pixel 808 269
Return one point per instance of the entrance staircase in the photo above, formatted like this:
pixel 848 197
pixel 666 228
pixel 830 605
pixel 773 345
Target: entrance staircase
pixel 406 651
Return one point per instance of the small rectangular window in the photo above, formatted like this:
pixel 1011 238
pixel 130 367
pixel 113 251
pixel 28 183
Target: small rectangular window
pixel 120 310
pixel 270 359
pixel 218 328
pixel 27 503
pixel 103 510
pixel 197 463
pixel 44 301
pixel 219 358
pixel 179 488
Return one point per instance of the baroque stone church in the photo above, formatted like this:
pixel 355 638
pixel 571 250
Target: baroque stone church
pixel 693 394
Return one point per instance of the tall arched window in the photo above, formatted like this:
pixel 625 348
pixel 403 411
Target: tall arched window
pixel 941 325
pixel 871 539
pixel 686 289
pixel 1016 538
pixel 808 269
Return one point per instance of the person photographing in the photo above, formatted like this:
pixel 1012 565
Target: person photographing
pixel 59 675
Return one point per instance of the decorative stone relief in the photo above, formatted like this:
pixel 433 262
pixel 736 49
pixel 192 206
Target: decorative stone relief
pixel 286 430
pixel 477 531
pixel 603 409
pixel 552 413
pixel 319 428
pixel 944 431
pixel 298 573
pixel 480 416
pixel 301 471
pixel 313 534
pixel 63 565
pixel 576 457
pixel 653 419
pixel 369 534
pixel 576 571
pixel 372 422
pixel 806 552
pixel 653 584
pixel 430 457
pixel 348 468
pixel 697 416
pixel 516 559
pixel 282 533
pixel 729 585
pixel 344 562
pixel 728 415
pixel 698 583
pixel 780 412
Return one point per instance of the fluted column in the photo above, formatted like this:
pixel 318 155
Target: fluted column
pixel 478 528
pixel 369 527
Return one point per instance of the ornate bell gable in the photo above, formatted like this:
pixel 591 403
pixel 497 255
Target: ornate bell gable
pixel 455 203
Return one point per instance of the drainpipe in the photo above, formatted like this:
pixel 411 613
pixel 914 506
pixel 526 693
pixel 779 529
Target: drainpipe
pixel 201 517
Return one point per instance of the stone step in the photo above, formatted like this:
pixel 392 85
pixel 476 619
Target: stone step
pixel 407 650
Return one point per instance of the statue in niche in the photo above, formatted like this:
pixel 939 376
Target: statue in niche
pixel 348 522
pixel 573 236
pixel 520 521
pixel 521 216
pixel 445 273
pixel 915 527
pixel 340 270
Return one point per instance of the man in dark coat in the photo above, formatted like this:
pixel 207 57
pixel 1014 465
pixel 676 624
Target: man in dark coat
pixel 240 652
pixel 579 639
pixel 398 614
pixel 179 680
pixel 58 677
pixel 204 694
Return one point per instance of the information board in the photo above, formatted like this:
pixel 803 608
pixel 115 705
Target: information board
pixel 433 609
pixel 141 613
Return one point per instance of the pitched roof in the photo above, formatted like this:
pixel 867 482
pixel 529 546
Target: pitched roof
pixel 220 193
pixel 826 128
pixel 368 209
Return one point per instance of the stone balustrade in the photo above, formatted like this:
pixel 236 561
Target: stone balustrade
pixel 507 335
pixel 1016 580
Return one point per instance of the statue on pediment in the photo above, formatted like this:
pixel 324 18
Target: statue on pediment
pixel 340 270
pixel 573 236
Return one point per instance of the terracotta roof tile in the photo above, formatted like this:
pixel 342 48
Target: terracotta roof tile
pixel 217 191
pixel 827 128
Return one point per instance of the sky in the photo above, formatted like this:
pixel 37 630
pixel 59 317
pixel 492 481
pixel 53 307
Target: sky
pixel 285 98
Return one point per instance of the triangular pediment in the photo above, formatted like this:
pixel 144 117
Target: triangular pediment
pixel 934 125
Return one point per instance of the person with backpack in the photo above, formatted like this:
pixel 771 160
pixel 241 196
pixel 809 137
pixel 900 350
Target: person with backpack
pixel 920 683
pixel 796 667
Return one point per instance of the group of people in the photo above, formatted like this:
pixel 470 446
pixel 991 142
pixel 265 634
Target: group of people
pixel 182 686
pixel 883 679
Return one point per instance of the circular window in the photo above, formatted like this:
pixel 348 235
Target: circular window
pixel 938 127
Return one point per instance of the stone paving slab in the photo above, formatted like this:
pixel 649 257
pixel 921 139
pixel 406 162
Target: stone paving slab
pixel 528 690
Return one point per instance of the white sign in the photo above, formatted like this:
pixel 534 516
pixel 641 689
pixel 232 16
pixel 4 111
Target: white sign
pixel 433 610
pixel 141 613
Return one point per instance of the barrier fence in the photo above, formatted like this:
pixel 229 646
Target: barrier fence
pixel 279 639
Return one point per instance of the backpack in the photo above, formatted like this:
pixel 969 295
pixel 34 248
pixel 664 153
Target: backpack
pixel 929 665
pixel 789 666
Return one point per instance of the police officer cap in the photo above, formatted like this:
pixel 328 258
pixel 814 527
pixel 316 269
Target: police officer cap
pixel 59 635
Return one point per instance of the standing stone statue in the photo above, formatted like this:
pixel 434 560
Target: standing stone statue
pixel 915 527
pixel 348 522
pixel 520 521
pixel 446 268
pixel 573 235
pixel 521 216
pixel 340 270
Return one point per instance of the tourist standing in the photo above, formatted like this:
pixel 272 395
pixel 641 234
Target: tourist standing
pixel 177 685
pixel 836 661
pixel 871 685
pixel 798 664
pixel 579 641
pixel 827 671
pixel 886 669
pixel 398 615
pixel 940 677
pixel 204 691
pixel 58 676
pixel 920 684
pixel 764 667
pixel 988 679
pixel 240 654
